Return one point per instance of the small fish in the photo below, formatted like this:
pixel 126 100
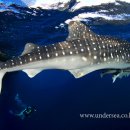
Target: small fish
pixel 81 53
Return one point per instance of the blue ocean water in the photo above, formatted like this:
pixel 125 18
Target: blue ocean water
pixel 58 97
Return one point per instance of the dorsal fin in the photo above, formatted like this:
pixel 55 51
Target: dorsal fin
pixel 28 48
pixel 78 30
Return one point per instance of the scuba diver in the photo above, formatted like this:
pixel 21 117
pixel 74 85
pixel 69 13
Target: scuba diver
pixel 24 111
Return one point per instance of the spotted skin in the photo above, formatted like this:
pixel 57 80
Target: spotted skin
pixel 90 49
pixel 47 52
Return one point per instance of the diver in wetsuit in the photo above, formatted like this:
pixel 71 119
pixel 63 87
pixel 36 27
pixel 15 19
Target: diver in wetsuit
pixel 26 112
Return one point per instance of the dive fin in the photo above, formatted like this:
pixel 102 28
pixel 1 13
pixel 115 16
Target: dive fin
pixel 28 48
pixel 32 72
pixel 76 31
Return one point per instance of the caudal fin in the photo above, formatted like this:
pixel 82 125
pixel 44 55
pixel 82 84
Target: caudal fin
pixel 1 77
pixel 3 58
pixel 2 73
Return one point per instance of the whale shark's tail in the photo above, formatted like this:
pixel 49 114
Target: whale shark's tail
pixel 1 76
pixel 3 58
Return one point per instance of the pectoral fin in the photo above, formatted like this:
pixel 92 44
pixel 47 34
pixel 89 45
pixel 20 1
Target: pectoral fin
pixel 32 72
pixel 78 73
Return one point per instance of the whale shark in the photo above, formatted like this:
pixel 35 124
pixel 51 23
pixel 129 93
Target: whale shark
pixel 81 53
